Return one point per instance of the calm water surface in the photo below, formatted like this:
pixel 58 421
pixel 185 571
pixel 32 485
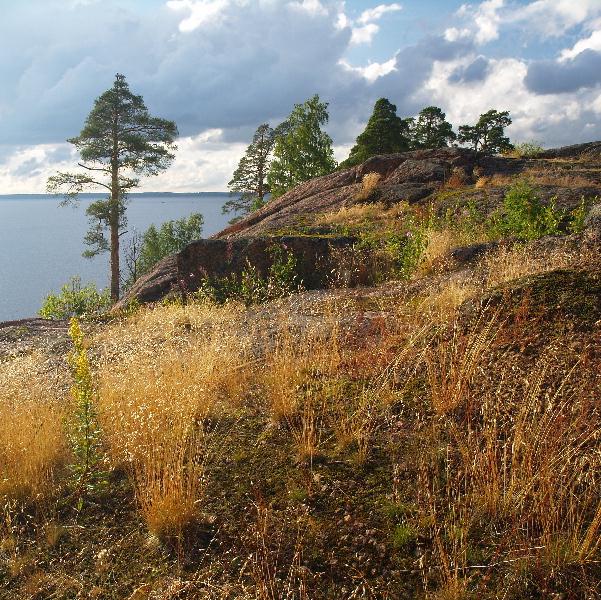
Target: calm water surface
pixel 41 242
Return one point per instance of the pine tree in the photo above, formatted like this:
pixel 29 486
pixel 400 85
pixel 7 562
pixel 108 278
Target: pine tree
pixel 119 141
pixel 432 130
pixel 303 151
pixel 249 180
pixel 385 133
pixel 488 135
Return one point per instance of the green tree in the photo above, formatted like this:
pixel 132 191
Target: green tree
pixel 303 151
pixel 487 136
pixel 249 181
pixel 147 249
pixel 385 133
pixel 431 129
pixel 119 142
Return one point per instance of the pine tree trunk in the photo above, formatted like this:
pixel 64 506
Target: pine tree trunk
pixel 114 226
pixel 115 271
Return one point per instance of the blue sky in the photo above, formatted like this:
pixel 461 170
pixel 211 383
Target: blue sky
pixel 219 68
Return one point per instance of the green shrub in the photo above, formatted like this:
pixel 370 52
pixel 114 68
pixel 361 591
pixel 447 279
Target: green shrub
pixel 530 149
pixel 403 535
pixel 406 250
pixel 523 215
pixel 249 287
pixel 75 300
pixel 578 215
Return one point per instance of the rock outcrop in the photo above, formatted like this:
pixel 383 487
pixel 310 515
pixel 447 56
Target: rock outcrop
pixel 414 177
pixel 183 272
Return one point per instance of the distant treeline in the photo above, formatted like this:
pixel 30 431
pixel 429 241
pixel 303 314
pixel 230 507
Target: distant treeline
pixel 298 149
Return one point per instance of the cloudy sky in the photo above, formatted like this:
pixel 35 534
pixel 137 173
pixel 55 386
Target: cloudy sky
pixel 219 68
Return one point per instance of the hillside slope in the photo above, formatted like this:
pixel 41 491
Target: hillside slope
pixel 433 433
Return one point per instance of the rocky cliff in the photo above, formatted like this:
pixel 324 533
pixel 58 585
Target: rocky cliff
pixel 426 177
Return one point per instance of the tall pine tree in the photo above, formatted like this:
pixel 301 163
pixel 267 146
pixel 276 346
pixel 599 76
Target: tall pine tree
pixel 432 130
pixel 119 141
pixel 385 133
pixel 249 181
pixel 303 151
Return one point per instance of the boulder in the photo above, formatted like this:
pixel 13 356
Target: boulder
pixel 183 272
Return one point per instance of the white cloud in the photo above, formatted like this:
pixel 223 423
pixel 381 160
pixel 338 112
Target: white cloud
pixel 555 17
pixel 364 34
pixel 374 14
pixel 484 21
pixel 593 42
pixel 363 29
pixel 313 7
pixel 552 119
pixel 202 12
pixel 373 70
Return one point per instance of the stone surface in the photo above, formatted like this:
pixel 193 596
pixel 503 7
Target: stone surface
pixel 184 271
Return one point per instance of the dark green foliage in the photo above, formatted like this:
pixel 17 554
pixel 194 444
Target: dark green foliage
pixel 249 287
pixel 523 215
pixel 75 300
pixel 579 214
pixel 385 133
pixel 248 185
pixel 119 142
pixel 431 129
pixel 154 244
pixel 487 136
pixel 303 151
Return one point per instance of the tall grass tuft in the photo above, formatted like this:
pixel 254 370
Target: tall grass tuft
pixel 32 443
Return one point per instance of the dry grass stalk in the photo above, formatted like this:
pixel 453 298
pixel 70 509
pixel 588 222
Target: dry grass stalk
pixel 154 401
pixel 369 185
pixel 510 263
pixel 32 441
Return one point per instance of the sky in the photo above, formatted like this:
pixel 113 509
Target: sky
pixel 220 68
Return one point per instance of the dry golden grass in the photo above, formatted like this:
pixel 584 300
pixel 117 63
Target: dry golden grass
pixel 369 185
pixel 522 459
pixel 361 214
pixel 556 178
pixel 32 441
pixel 509 263
pixel 160 379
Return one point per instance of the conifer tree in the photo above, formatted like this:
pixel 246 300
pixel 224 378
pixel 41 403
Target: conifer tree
pixel 488 135
pixel 303 151
pixel 120 141
pixel 431 129
pixel 385 133
pixel 249 180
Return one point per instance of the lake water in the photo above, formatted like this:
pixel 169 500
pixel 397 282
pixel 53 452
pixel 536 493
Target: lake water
pixel 41 242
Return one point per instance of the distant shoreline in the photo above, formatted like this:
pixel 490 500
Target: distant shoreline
pixel 96 194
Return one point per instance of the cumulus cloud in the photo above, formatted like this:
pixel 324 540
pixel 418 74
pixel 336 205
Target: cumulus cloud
pixel 365 28
pixel 557 77
pixel 592 42
pixel 485 20
pixel 201 12
pixel 475 71
pixel 551 119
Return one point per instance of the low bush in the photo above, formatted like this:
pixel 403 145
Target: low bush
pixel 250 287
pixel 530 149
pixel 75 300
pixel 524 216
